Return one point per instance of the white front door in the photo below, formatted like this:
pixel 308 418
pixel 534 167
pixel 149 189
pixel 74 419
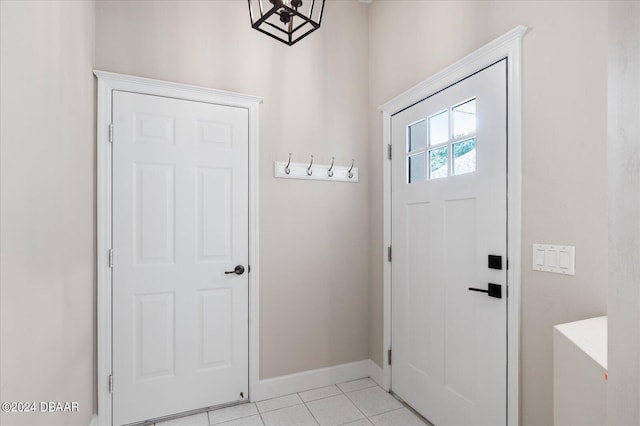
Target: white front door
pixel 449 214
pixel 180 222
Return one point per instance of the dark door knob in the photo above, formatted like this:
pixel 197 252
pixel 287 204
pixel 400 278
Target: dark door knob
pixel 238 270
pixel 493 290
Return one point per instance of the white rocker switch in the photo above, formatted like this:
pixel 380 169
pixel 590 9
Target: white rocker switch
pixel 565 260
pixel 551 257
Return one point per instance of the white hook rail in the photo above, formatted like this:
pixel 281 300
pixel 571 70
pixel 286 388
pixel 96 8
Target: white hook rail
pixel 314 171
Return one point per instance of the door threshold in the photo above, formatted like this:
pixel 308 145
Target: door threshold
pixel 189 413
pixel 410 408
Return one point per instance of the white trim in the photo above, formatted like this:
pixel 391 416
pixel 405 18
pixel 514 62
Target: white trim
pixel 103 245
pixel 107 82
pixel 386 268
pixel 177 90
pixel 376 373
pixel 254 252
pixel 514 218
pixel 311 379
pixel 507 46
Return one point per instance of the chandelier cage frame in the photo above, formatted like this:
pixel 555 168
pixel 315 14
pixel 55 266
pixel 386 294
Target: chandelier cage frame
pixel 270 22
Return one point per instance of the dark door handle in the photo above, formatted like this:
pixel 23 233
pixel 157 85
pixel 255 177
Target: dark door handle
pixel 238 270
pixel 493 290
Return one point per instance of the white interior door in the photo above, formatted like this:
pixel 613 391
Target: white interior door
pixel 449 213
pixel 180 221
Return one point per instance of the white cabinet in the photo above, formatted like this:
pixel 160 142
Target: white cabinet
pixel 579 373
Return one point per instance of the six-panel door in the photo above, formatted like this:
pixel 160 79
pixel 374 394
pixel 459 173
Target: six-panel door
pixel 180 220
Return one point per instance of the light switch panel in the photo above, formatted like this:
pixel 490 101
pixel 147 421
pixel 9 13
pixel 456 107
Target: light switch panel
pixel 554 258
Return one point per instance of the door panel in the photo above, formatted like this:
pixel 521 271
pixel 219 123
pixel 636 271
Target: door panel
pixel 154 337
pixel 215 321
pixel 214 215
pixel 155 190
pixel 180 220
pixel 448 214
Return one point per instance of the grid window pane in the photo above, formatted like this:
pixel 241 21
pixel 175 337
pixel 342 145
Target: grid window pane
pixel 464 118
pixel 464 157
pixel 439 163
pixel 417 168
pixel 439 128
pixel 417 136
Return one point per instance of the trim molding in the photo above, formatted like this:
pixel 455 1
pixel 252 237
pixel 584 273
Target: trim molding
pixel 507 46
pixel 107 83
pixel 376 373
pixel 311 379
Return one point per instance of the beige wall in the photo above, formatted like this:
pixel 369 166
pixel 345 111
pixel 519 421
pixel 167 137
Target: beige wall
pixel 623 172
pixel 313 235
pixel 564 137
pixel 321 243
pixel 47 215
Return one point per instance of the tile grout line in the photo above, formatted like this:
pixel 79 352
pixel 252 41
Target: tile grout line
pixel 260 414
pixel 384 412
pixel 307 407
pixel 237 418
pixel 319 399
pixel 345 394
pixel 324 397
pixel 305 403
pixel 358 389
pixel 321 387
pixel 311 412
pixel 302 402
pixel 390 411
pixel 337 385
pixel 233 420
pixel 356 405
pixel 281 408
pixel 341 392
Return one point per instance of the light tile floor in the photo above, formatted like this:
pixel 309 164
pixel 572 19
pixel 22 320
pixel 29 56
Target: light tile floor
pixel 357 403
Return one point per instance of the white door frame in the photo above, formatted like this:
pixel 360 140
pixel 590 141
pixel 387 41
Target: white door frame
pixel 507 46
pixel 107 83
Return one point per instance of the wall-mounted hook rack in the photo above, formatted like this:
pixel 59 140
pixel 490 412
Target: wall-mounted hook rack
pixel 313 171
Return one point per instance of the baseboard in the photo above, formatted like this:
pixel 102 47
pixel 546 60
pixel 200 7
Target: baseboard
pixel 94 420
pixel 305 380
pixel 377 375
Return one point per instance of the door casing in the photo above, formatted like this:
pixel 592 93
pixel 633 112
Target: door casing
pixel 507 46
pixel 107 83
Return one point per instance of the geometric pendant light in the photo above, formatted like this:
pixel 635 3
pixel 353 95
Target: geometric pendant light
pixel 288 21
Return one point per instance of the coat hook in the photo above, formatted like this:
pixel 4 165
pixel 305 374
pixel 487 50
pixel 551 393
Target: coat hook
pixel 287 170
pixel 309 171
pixel 350 174
pixel 330 171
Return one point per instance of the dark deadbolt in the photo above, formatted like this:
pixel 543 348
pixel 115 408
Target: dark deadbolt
pixel 493 290
pixel 495 262
pixel 238 270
